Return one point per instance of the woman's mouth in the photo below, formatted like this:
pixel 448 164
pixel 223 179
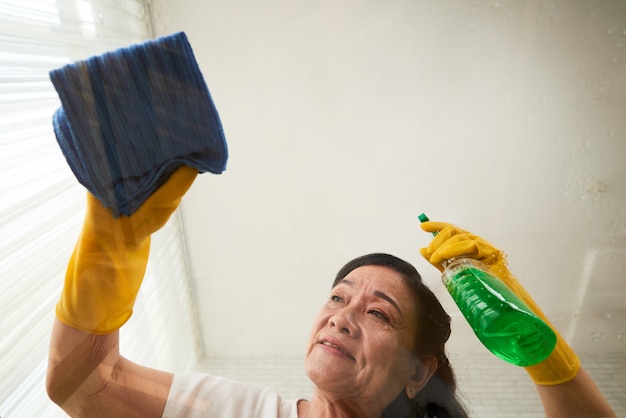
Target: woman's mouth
pixel 335 347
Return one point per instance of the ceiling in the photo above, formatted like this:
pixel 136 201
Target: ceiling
pixel 345 120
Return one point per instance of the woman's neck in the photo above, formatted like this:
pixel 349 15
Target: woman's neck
pixel 322 406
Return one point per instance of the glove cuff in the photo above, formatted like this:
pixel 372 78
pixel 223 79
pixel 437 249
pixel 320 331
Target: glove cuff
pixel 562 364
pixel 560 367
pixel 100 288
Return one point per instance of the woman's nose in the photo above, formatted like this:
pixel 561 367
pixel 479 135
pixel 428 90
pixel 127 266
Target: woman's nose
pixel 345 321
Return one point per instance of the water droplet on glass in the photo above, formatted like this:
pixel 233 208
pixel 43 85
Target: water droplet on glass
pixel 597 335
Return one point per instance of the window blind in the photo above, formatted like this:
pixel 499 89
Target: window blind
pixel 42 204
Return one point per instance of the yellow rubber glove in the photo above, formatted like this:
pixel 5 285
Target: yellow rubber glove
pixel 107 266
pixel 563 364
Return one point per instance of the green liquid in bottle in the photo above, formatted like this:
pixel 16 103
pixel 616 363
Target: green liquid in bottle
pixel 499 318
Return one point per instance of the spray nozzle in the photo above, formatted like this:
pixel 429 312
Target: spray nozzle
pixel 423 218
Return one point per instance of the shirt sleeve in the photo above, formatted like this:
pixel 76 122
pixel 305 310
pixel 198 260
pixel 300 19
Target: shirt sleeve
pixel 201 395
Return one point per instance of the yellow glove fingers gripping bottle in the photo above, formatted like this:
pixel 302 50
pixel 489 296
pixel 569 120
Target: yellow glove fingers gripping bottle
pixel 503 323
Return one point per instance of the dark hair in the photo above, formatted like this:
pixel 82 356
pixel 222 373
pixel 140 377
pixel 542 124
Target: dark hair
pixel 438 397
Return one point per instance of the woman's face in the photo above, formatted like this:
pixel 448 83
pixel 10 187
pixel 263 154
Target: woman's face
pixel 360 344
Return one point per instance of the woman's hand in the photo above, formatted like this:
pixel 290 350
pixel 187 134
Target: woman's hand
pixel 565 389
pixel 451 241
pixel 563 364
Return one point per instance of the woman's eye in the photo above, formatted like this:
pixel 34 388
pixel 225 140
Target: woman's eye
pixel 379 315
pixel 336 298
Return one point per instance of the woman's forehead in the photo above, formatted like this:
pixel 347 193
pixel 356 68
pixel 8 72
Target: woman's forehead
pixel 380 279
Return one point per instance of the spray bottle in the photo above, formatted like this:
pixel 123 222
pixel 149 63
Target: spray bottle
pixel 503 323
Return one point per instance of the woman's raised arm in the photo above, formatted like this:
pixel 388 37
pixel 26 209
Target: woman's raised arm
pixel 86 374
pixel 565 389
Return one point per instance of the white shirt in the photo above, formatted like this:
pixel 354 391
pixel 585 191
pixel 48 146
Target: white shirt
pixel 201 395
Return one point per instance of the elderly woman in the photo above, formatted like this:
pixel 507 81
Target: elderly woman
pixel 376 346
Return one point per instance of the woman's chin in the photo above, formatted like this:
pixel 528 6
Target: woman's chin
pixel 328 371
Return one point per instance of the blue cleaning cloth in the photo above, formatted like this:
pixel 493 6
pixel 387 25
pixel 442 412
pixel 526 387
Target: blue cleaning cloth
pixel 129 118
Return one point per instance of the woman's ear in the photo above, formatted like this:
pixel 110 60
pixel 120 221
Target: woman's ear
pixel 423 372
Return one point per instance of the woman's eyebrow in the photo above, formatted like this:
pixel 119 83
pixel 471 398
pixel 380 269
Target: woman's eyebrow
pixel 388 299
pixel 377 293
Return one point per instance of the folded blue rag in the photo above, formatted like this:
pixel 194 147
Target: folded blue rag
pixel 129 118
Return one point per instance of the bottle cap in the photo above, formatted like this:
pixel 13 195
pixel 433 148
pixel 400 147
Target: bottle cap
pixel 423 218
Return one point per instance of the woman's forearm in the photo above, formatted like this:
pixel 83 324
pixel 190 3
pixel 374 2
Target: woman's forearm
pixel 579 397
pixel 77 364
pixel 87 377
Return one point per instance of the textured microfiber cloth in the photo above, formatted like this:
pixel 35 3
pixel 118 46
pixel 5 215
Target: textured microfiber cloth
pixel 129 118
